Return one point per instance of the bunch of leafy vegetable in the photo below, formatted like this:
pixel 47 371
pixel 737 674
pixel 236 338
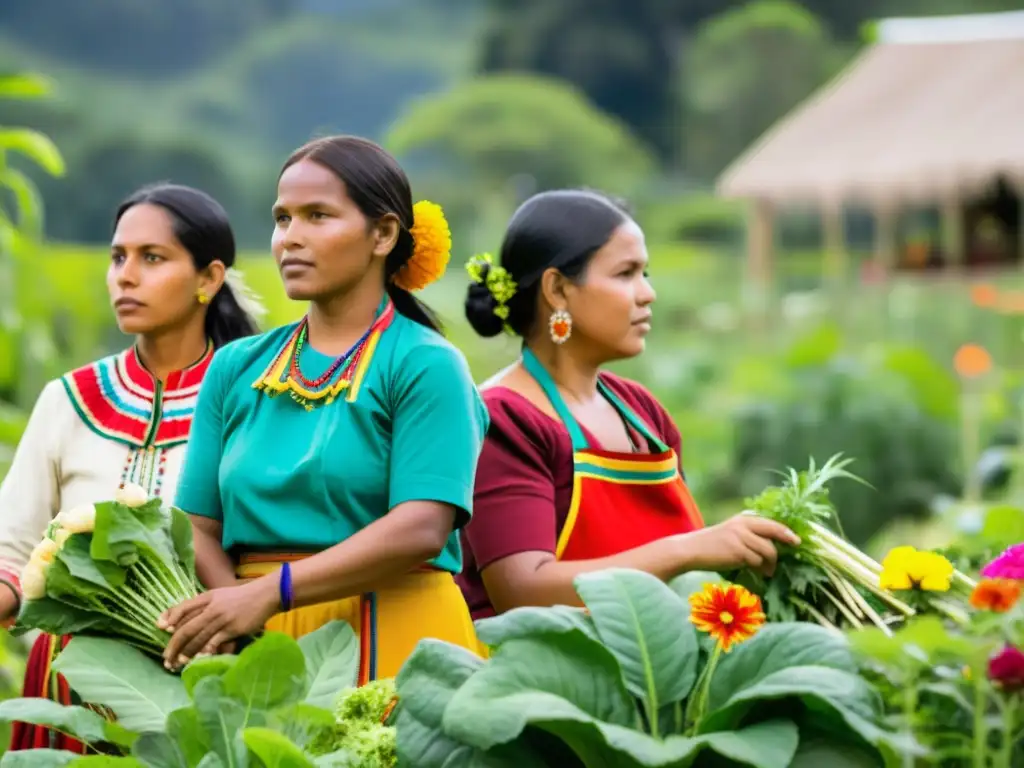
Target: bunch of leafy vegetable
pixel 110 569
pixel 825 578
pixel 271 705
pixel 363 728
pixel 610 685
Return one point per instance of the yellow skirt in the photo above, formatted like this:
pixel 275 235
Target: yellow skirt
pixel 389 622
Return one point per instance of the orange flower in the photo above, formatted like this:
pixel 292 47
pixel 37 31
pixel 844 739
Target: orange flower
pixel 984 295
pixel 996 595
pixel 727 612
pixel 972 360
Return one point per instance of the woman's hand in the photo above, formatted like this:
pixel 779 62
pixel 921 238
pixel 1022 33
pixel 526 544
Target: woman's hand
pixel 208 621
pixel 743 541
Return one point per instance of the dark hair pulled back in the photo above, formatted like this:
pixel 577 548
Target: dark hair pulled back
pixel 201 225
pixel 378 186
pixel 562 229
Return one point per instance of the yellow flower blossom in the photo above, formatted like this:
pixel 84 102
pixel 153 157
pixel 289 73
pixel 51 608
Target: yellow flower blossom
pixel 908 568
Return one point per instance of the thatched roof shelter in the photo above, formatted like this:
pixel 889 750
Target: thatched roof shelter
pixel 930 113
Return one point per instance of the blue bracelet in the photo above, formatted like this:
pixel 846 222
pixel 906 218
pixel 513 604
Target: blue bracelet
pixel 287 598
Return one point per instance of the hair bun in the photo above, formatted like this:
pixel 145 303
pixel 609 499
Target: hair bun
pixel 480 306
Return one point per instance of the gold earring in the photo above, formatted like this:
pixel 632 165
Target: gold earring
pixel 202 298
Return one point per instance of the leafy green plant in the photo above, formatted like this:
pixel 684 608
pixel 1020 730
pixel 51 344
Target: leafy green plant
pixel 609 686
pixel 269 706
pixel 111 569
pixel 825 578
pixel 21 227
pixel 938 683
pixel 895 412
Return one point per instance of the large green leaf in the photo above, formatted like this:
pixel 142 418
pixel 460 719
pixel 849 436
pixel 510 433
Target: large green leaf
pixel 818 753
pixel 549 677
pixel 525 622
pixel 135 688
pixel 815 686
pixel 332 662
pixel 833 700
pixel 159 750
pixel 206 666
pixel 301 723
pixel 36 146
pixel 223 719
pixel 122 535
pixel 84 724
pixel 692 582
pixel 776 647
pixel 274 750
pixel 269 673
pixel 37 758
pixel 184 728
pixel 181 537
pixel 646 627
pixel 57 617
pixel 426 684
pixel 76 556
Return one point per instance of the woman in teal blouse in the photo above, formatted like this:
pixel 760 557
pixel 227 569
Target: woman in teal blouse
pixel 332 461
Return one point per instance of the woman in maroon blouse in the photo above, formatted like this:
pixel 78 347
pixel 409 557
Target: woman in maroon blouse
pixel 580 467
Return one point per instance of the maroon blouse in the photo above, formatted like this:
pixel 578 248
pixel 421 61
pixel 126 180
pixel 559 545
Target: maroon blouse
pixel 524 480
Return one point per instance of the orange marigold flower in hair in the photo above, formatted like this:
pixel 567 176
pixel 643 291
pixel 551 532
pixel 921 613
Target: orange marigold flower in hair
pixel 728 612
pixel 996 595
pixel 432 247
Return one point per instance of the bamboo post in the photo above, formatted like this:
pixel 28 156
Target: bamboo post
pixel 760 261
pixel 836 261
pixel 885 256
pixel 953 232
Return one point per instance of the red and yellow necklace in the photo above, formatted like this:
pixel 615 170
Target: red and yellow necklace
pixel 285 375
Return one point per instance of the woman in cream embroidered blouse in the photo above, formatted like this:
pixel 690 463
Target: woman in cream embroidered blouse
pixel 125 418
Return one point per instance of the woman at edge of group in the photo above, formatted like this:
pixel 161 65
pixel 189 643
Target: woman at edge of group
pixel 92 431
pixel 341 499
pixel 580 470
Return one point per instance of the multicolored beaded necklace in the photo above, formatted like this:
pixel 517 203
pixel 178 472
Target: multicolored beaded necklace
pixel 285 375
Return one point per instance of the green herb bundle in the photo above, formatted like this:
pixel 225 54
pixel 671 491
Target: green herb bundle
pixel 824 579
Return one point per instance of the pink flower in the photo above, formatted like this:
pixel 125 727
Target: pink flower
pixel 1009 565
pixel 1006 669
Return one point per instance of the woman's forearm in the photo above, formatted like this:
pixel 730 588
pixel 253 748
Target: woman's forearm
pixel 401 541
pixel 512 584
pixel 213 566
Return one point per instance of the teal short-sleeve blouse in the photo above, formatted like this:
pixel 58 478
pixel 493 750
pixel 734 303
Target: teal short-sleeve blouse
pixel 282 478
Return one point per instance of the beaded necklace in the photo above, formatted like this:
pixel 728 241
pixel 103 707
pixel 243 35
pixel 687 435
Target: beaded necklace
pixel 285 375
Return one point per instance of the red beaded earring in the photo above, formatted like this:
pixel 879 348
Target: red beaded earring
pixel 560 325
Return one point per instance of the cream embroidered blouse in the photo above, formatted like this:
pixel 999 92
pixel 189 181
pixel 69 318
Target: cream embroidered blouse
pixel 90 432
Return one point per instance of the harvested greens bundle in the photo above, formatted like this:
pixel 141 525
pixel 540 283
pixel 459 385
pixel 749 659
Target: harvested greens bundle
pixel 109 570
pixel 828 580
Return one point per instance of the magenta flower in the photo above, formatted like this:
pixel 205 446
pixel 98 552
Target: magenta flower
pixel 1006 669
pixel 1009 565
